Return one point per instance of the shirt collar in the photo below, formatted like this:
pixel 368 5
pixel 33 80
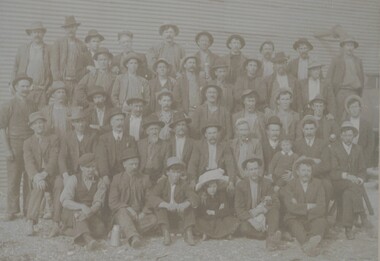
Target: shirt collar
pixel 289 153
pixel 117 135
pixel 347 147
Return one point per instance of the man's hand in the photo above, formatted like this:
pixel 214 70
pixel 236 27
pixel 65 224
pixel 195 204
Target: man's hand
pixel 311 206
pixel 141 215
pixel 133 213
pixel 287 176
pixel 230 187
pixel 86 210
pixel 181 207
pixel 106 180
pixel 95 126
pixel 41 185
pixel 330 116
pixel 210 212
pixel 221 206
pixel 91 69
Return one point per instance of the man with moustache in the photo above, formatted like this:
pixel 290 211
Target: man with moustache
pixel 299 67
pixel 266 50
pixel 235 59
pixel 167 49
pixel 41 158
pixel 92 40
pixel 345 74
pixel 33 59
pixel 135 120
pixel 270 141
pixel 125 40
pixel 68 58
pixel 166 114
pixel 99 110
pixel 205 57
pixel 14 130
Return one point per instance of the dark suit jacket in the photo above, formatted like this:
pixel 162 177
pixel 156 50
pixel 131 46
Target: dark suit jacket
pixel 243 198
pixel 142 70
pixel 325 129
pixel 314 194
pixel 127 126
pixel 188 148
pixel 243 83
pixel 268 152
pixel 159 159
pixel 93 119
pixel 212 56
pixel 227 100
pixel 293 67
pixel 69 152
pixel 155 87
pixel 259 127
pixel 231 77
pixel 36 155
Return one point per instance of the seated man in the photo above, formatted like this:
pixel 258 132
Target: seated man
pixel 174 201
pixel 305 204
pixel 82 200
pixel 256 205
pixel 127 199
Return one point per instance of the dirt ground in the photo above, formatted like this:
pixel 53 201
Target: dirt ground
pixel 15 246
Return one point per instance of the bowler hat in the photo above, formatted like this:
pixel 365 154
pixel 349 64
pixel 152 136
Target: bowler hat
pixel 56 85
pixel 210 37
pixel 96 90
pixel 77 113
pixel 174 161
pixel 347 125
pixel 113 112
pixel 280 57
pixel 38 115
pixel 302 41
pixel 258 62
pixel 87 160
pixel 93 33
pixel 349 40
pixel 129 153
pixel 21 76
pixel 211 175
pixel 179 117
pixel 314 64
pixel 135 99
pixel 102 50
pixel 274 120
pixel 235 36
pixel 252 160
pixel 210 124
pixel 302 160
pixel 152 120
pixel 131 56
pixel 165 25
pixel 70 21
pixel 161 60
pixel 350 98
pixel 127 33
pixel 35 26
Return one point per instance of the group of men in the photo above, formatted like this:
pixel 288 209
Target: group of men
pixel 122 139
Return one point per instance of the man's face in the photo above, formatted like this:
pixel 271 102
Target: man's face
pixel 309 130
pixel 252 170
pixel 162 69
pixel 220 73
pixel 181 129
pixel 59 95
pixel 211 135
pixel 211 95
pixel 203 42
pixel 79 125
pixel 284 101
pixel 354 109
pixel 267 51
pixel 165 102
pixel 303 51
pixel 103 61
pixel 132 65
pixel 212 187
pixel 349 48
pixel 318 108
pixel 137 108
pixel 38 126
pixel 88 172
pixel 315 73
pixel 347 137
pixel 304 172
pixel 126 43
pixel 168 34
pixel 249 104
pixel 174 173
pixel 286 146
pixel 94 43
pixel 23 88
pixel 280 68
pixel 131 166
pixel 190 65
pixel 99 100
pixel 242 131
pixel 153 131
pixel 251 67
pixel 235 45
pixel 71 31
pixel 117 122
pixel 273 131
pixel 37 35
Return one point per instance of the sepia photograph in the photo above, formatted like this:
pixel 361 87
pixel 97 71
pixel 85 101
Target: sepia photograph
pixel 182 130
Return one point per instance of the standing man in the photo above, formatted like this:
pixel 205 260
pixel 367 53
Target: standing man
pixel 266 50
pixel 167 49
pixel 205 57
pixel 14 131
pixel 93 40
pixel 299 66
pixel 68 58
pixel 235 59
pixel 33 59
pixel 346 74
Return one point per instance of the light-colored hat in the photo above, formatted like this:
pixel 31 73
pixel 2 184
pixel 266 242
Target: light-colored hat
pixel 318 97
pixel 350 98
pixel 93 33
pixel 70 21
pixel 38 115
pixel 302 41
pixel 314 64
pixel 172 161
pixel 56 85
pixel 302 159
pixel 211 175
pixel 349 40
pixel 162 92
pixel 309 118
pixel 35 26
pixel 165 25
pixel 347 125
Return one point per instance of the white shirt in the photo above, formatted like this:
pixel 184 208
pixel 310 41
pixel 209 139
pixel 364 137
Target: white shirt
pixel 212 157
pixel 302 69
pixel 356 123
pixel 347 148
pixel 117 136
pixel 172 189
pixel 273 143
pixel 134 127
pixel 268 68
pixel 163 81
pixel 100 115
pixel 282 81
pixel 314 88
pixel 80 137
pixel 287 153
pixel 179 145
pixel 304 186
pixel 310 142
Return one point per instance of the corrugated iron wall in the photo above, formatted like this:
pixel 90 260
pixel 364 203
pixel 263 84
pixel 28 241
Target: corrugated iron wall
pixel 278 20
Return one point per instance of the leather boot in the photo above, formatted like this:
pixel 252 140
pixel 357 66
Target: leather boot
pixel 189 237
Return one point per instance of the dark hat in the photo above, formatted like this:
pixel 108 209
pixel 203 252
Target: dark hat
pixel 250 60
pixel 165 25
pixel 162 92
pixel 318 97
pixel 314 64
pixel 70 21
pixel 135 99
pixel 302 41
pixel 219 63
pixel 309 118
pixel 251 160
pixel 264 43
pixel 302 160
pixel 87 160
pixel 347 125
pixel 96 90
pixel 161 60
pixel 152 120
pixel 280 57
pixel 210 37
pixel 113 112
pixel 179 117
pixel 129 153
pixel 38 115
pixel 127 33
pixel 184 60
pixel 56 85
pixel 274 120
pixel 205 88
pixel 350 98
pixel 280 91
pixel 130 56
pixel 248 92
pixel 209 124
pixel 174 161
pixel 21 76
pixel 235 36
pixel 35 26
pixel 93 33
pixel 77 113
pixel 102 50
pixel 211 175
pixel 349 40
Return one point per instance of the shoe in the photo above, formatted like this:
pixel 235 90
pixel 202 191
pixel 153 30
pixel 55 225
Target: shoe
pixel 350 234
pixel 55 231
pixel 48 215
pixel 204 237
pixel 167 238
pixel 229 237
pixel 92 245
pixel 310 247
pixel 273 241
pixel 29 227
pixel 286 236
pixel 136 242
pixel 189 237
pixel 9 217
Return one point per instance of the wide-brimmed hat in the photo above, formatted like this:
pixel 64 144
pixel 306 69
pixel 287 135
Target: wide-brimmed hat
pixel 129 153
pixel 347 125
pixel 21 76
pixel 280 91
pixel 274 120
pixel 349 40
pixel 211 175
pixel 250 59
pixel 103 50
pixel 309 118
pixel 318 97
pixel 178 117
pixel 87 160
pixel 152 120
pixel 205 88
pixel 184 60
pixel 264 43
pixel 161 60
pixel 254 159
pixel 130 56
pixel 133 99
pixel 209 124
pixel 174 161
pixel 165 25
pixel 35 26
pixel 210 37
pixel 219 63
pixel 248 92
pixel 235 36
pixel 314 64
pixel 56 85
pixel 93 33
pixel 350 98
pixel 96 90
pixel 113 112
pixel 127 33
pixel 70 21
pixel 280 57
pixel 302 41
pixel 77 113
pixel 301 160
pixel 162 92
pixel 38 115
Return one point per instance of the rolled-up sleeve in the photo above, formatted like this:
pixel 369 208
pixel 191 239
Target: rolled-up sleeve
pixel 100 194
